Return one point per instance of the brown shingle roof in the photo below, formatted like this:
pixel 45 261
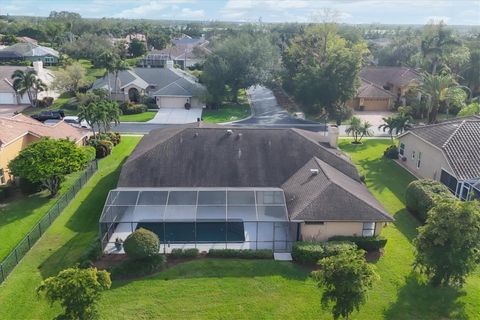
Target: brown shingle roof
pixel 459 139
pixel 368 89
pixel 398 76
pixel 19 125
pixel 192 156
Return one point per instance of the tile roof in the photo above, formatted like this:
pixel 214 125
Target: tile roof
pixel 459 139
pixel 19 125
pixel 206 156
pixel 369 89
pixel 6 81
pixel 398 76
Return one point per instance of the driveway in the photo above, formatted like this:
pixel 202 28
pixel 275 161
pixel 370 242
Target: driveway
pixel 374 118
pixel 8 110
pixel 176 116
pixel 267 113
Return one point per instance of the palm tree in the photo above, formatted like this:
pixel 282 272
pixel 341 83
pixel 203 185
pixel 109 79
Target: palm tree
pixel 435 88
pixel 117 66
pixel 389 124
pixel 108 60
pixel 28 82
pixel 358 129
pixel 435 43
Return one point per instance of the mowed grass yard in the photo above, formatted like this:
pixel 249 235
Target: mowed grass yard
pixel 20 214
pixel 239 289
pixel 229 111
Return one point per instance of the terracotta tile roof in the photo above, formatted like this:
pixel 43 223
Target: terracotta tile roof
pixel 19 125
pixel 459 139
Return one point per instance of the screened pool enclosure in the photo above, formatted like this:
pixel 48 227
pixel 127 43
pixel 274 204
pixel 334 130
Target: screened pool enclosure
pixel 203 218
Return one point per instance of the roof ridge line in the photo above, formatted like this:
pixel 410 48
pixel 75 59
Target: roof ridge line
pixel 453 134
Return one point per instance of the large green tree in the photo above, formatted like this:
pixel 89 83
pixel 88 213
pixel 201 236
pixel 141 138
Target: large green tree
pixel 345 279
pixel 437 41
pixel 244 60
pixel 448 245
pixel 322 68
pixel 70 79
pixel 137 48
pixel 101 114
pixel 77 290
pixel 48 161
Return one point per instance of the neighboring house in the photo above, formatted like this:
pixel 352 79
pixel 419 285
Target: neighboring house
pixel 184 52
pixel 19 131
pixel 383 87
pixel 171 88
pixel 448 152
pixel 30 52
pixel 127 39
pixel 8 96
pixel 211 186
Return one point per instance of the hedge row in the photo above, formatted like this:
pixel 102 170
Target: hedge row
pixel 311 252
pixel 421 196
pixel 184 253
pixel 365 243
pixel 242 254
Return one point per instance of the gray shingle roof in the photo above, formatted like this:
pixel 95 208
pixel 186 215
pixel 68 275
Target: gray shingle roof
pixel 192 156
pixel 6 81
pixel 459 139
pixel 160 80
pixel 330 195
pixel 26 49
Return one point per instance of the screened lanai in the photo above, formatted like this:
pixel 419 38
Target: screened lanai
pixel 203 218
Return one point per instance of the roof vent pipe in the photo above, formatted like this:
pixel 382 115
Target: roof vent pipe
pixel 229 132
pixel 314 172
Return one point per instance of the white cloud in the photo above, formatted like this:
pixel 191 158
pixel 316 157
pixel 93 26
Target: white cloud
pixel 151 9
pixel 193 14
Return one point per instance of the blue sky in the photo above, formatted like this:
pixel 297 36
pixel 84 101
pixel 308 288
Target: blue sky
pixel 466 12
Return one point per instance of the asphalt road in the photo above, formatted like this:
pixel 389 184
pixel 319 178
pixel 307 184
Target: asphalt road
pixel 266 114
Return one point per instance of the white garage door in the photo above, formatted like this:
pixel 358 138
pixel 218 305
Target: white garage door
pixel 7 98
pixel 172 102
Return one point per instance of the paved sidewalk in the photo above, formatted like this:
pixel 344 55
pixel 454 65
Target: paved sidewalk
pixel 176 116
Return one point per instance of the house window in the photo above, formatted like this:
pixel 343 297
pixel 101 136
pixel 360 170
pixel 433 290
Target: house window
pixel 413 154
pixel 368 229
pixel 2 176
pixel 449 180
pixel 401 150
pixel 419 160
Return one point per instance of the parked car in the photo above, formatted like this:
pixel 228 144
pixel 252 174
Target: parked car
pixel 49 115
pixel 74 121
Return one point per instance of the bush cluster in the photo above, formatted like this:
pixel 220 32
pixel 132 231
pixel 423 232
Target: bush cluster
pixel 241 254
pixel 104 143
pixel 45 102
pixel 92 254
pixel 421 196
pixel 366 243
pixel 184 253
pixel 138 267
pixel 311 252
pixel 141 243
pixel 391 152
pixel 130 108
pixel 27 187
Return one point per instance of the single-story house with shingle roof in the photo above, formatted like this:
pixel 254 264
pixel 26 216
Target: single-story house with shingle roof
pixel 383 87
pixel 212 186
pixel 448 152
pixel 171 88
pixel 31 52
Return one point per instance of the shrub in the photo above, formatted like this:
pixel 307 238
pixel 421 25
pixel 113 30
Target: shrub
pixel 141 243
pixel 92 254
pixel 150 103
pixel 391 152
pixel 129 108
pixel 28 187
pixel 184 253
pixel 241 254
pixel 138 267
pixel 421 196
pixel 365 243
pixel 311 252
pixel 102 147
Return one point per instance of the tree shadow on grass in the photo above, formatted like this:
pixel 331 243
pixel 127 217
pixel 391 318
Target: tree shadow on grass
pixel 85 223
pixel 417 300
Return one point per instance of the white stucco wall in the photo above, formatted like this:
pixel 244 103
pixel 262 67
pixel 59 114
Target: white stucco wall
pixel 322 232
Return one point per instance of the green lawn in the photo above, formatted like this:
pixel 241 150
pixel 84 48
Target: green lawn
pixel 139 117
pixel 18 216
pixel 63 243
pixel 59 103
pixel 228 111
pixel 240 289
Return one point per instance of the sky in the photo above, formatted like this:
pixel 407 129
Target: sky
pixel 453 12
